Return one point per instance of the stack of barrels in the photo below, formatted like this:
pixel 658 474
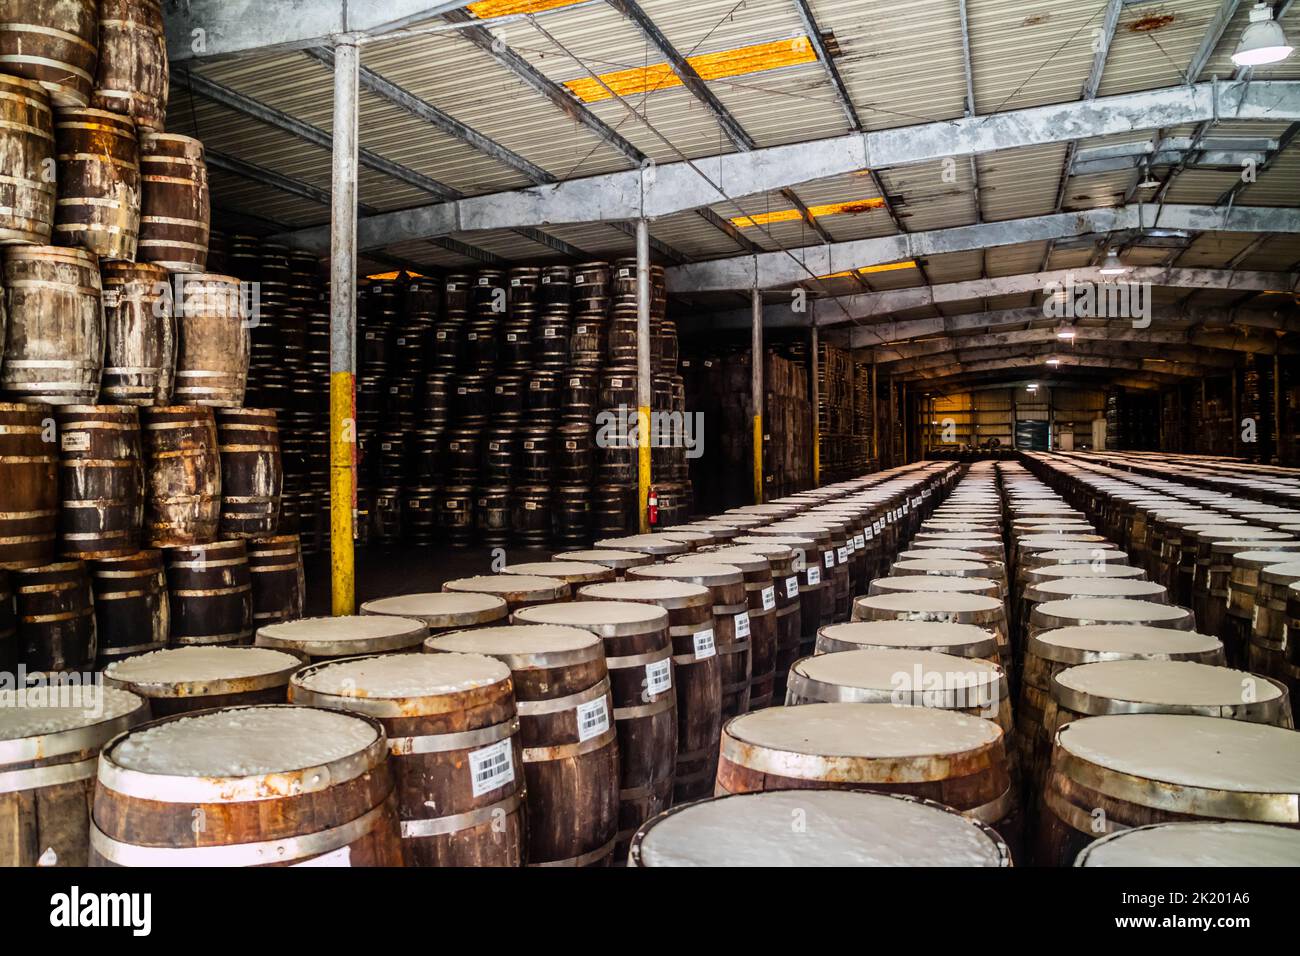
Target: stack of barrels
pixel 133 473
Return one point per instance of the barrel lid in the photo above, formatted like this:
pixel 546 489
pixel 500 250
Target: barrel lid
pixel 30 712
pixel 938 636
pixel 609 557
pixel 789 540
pixel 1189 844
pixel 1260 559
pixel 933 584
pixel 672 593
pixel 519 644
pixel 765 548
pixel 402 676
pixel 684 533
pixel 1088 586
pixel 201 670
pixel 1159 682
pixel 992 546
pixel 843 828
pixel 1101 610
pixel 655 544
pixel 1284 573
pixel 606 618
pixel 1234 546
pixel 571 572
pixel 1082 556
pixel 937 566
pixel 894 669
pixel 701 572
pixel 1217 532
pixel 512 587
pixel 342 636
pixel 1193 752
pixel 920 602
pixel 441 609
pixel 987 537
pixel 944 554
pixel 740 556
pixel 1079 643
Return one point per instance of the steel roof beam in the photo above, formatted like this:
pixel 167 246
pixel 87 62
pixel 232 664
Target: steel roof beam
pixel 921 348
pixel 1210 42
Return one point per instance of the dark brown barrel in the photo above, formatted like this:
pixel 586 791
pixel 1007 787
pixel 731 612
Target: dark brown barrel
pixel 101 480
pixel 8 626
pixel 276 574
pixel 816 594
pixel 139 335
pixel 782 559
pixel 175 792
pixel 566 729
pixel 517 590
pixel 181 680
pixel 454 739
pixel 27 193
pixel 697 673
pixel 182 474
pixel 54 350
pixel 212 341
pixel 174 210
pixel 132 614
pixel 99 183
pixel 639 655
pixel 56 618
pixel 251 476
pixel 210 593
pixel 53 42
pixel 47 775
pixel 133 72
pixel 29 475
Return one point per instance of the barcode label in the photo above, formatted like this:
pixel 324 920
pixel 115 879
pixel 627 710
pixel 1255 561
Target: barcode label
pixel 658 677
pixel 814 576
pixel 582 330
pixel 615 383
pixel 830 559
pixel 742 624
pixel 514 283
pixel 74 441
pixel 452 287
pixel 769 598
pixel 868 535
pixel 484 281
pixel 580 278
pixel 546 280
pixel 473 336
pixel 528 446
pixel 492 766
pixel 593 719
pixel 842 554
pixel 792 587
pixel 440 336
pixel 704 647
pixel 511 337
pixel 575 382
pixel 876 525
pixel 860 540
pixel 849 547
pixel 624 273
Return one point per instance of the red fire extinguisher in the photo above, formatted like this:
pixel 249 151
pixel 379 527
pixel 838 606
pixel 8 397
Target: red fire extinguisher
pixel 652 507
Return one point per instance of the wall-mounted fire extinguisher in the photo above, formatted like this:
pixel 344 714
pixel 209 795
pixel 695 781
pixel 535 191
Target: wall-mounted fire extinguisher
pixel 652 507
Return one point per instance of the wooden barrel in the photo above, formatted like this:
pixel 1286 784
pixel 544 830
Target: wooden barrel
pixel 655 545
pixel 935 584
pixel 182 475
pixel 1055 572
pixel 54 350
pixel 842 828
pixel 1072 612
pixel 566 729
pixel 731 627
pixel 1268 638
pixel 959 640
pixel 210 593
pixel 443 610
pixel 1195 845
pixel 53 42
pixel 48 752
pixel 788 616
pixel 454 739
pixel 181 680
pixel 1127 770
pixel 573 573
pixel 98 207
pixel 941 567
pixel 697 674
pixel 8 626
pixel 212 342
pixel 831 532
pixel 56 618
pixel 978 609
pixel 639 655
pixel 29 473
pixel 101 480
pixel 132 614
pixel 319 638
pixel 616 561
pixel 174 211
pixel 276 574
pixel 139 334
pixel 247 786
pixel 816 600
pixel 27 193
pixel 133 73
pixel 517 590
pixel 1087 586
pixel 248 440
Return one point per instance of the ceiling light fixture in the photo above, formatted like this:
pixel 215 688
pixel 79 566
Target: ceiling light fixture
pixel 1053 361
pixel 1066 333
pixel 1148 181
pixel 1263 40
pixel 1113 266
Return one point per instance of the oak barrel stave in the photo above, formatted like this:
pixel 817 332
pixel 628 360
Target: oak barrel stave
pixel 101 480
pixel 27 193
pixel 29 473
pixel 210 593
pixel 98 207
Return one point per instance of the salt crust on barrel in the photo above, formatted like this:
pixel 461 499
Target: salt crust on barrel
pixel 1129 639
pixel 842 829
pixel 863 730
pixel 1167 682
pixel 89 705
pixel 1202 752
pixel 887 668
pixel 1196 845
pixel 581 613
pixel 448 604
pixel 394 676
pixel 516 639
pixel 244 742
pixel 176 665
pixel 907 633
pixel 309 630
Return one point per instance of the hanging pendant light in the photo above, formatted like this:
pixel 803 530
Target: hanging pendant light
pixel 1263 40
pixel 1112 266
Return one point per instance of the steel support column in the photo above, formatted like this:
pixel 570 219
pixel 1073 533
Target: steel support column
pixel 643 390
pixel 756 389
pixel 813 368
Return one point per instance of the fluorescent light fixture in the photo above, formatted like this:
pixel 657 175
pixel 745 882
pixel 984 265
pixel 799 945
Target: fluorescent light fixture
pixel 1053 361
pixel 1148 181
pixel 1112 266
pixel 1065 333
pixel 1263 41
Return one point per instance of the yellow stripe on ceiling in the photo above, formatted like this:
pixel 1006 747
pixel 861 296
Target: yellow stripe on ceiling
pixel 794 215
pixel 487 9
pixel 710 66
pixel 867 270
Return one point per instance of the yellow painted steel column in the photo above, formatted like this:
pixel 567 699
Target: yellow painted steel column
pixel 813 367
pixel 343 326
pixel 643 390
pixel 756 389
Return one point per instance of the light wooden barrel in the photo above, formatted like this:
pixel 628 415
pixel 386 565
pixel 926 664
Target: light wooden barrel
pixel 454 739
pixel 29 473
pixel 27 193
pixel 959 640
pixel 978 609
pixel 53 42
pixel 181 680
pixel 182 474
pixel 940 567
pixel 48 752
pixel 617 561
pixel 573 573
pixel 1127 770
pixel 1197 845
pixel 210 593
pixel 175 208
pixel 844 828
pixel 139 333
pixel 1268 637
pixel 212 338
pixel 268 785
pixel 276 574
pixel 443 610
pixel 566 730
pixel 517 590
pixel 132 75
pixel 320 638
pixel 98 207
pixel 132 612
pixel 101 480
pixel 697 673
pixel 248 440
pixel 639 655
pixel 54 349
pixel 56 618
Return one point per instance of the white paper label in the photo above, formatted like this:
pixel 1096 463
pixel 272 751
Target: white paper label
pixel 860 540
pixel 842 554
pixel 593 719
pixel 704 647
pixel 74 441
pixel 876 526
pixel 830 559
pixel 814 576
pixel 868 535
pixel 340 857
pixel 849 546
pixel 769 598
pixel 742 624
pixel 658 677
pixel 491 767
